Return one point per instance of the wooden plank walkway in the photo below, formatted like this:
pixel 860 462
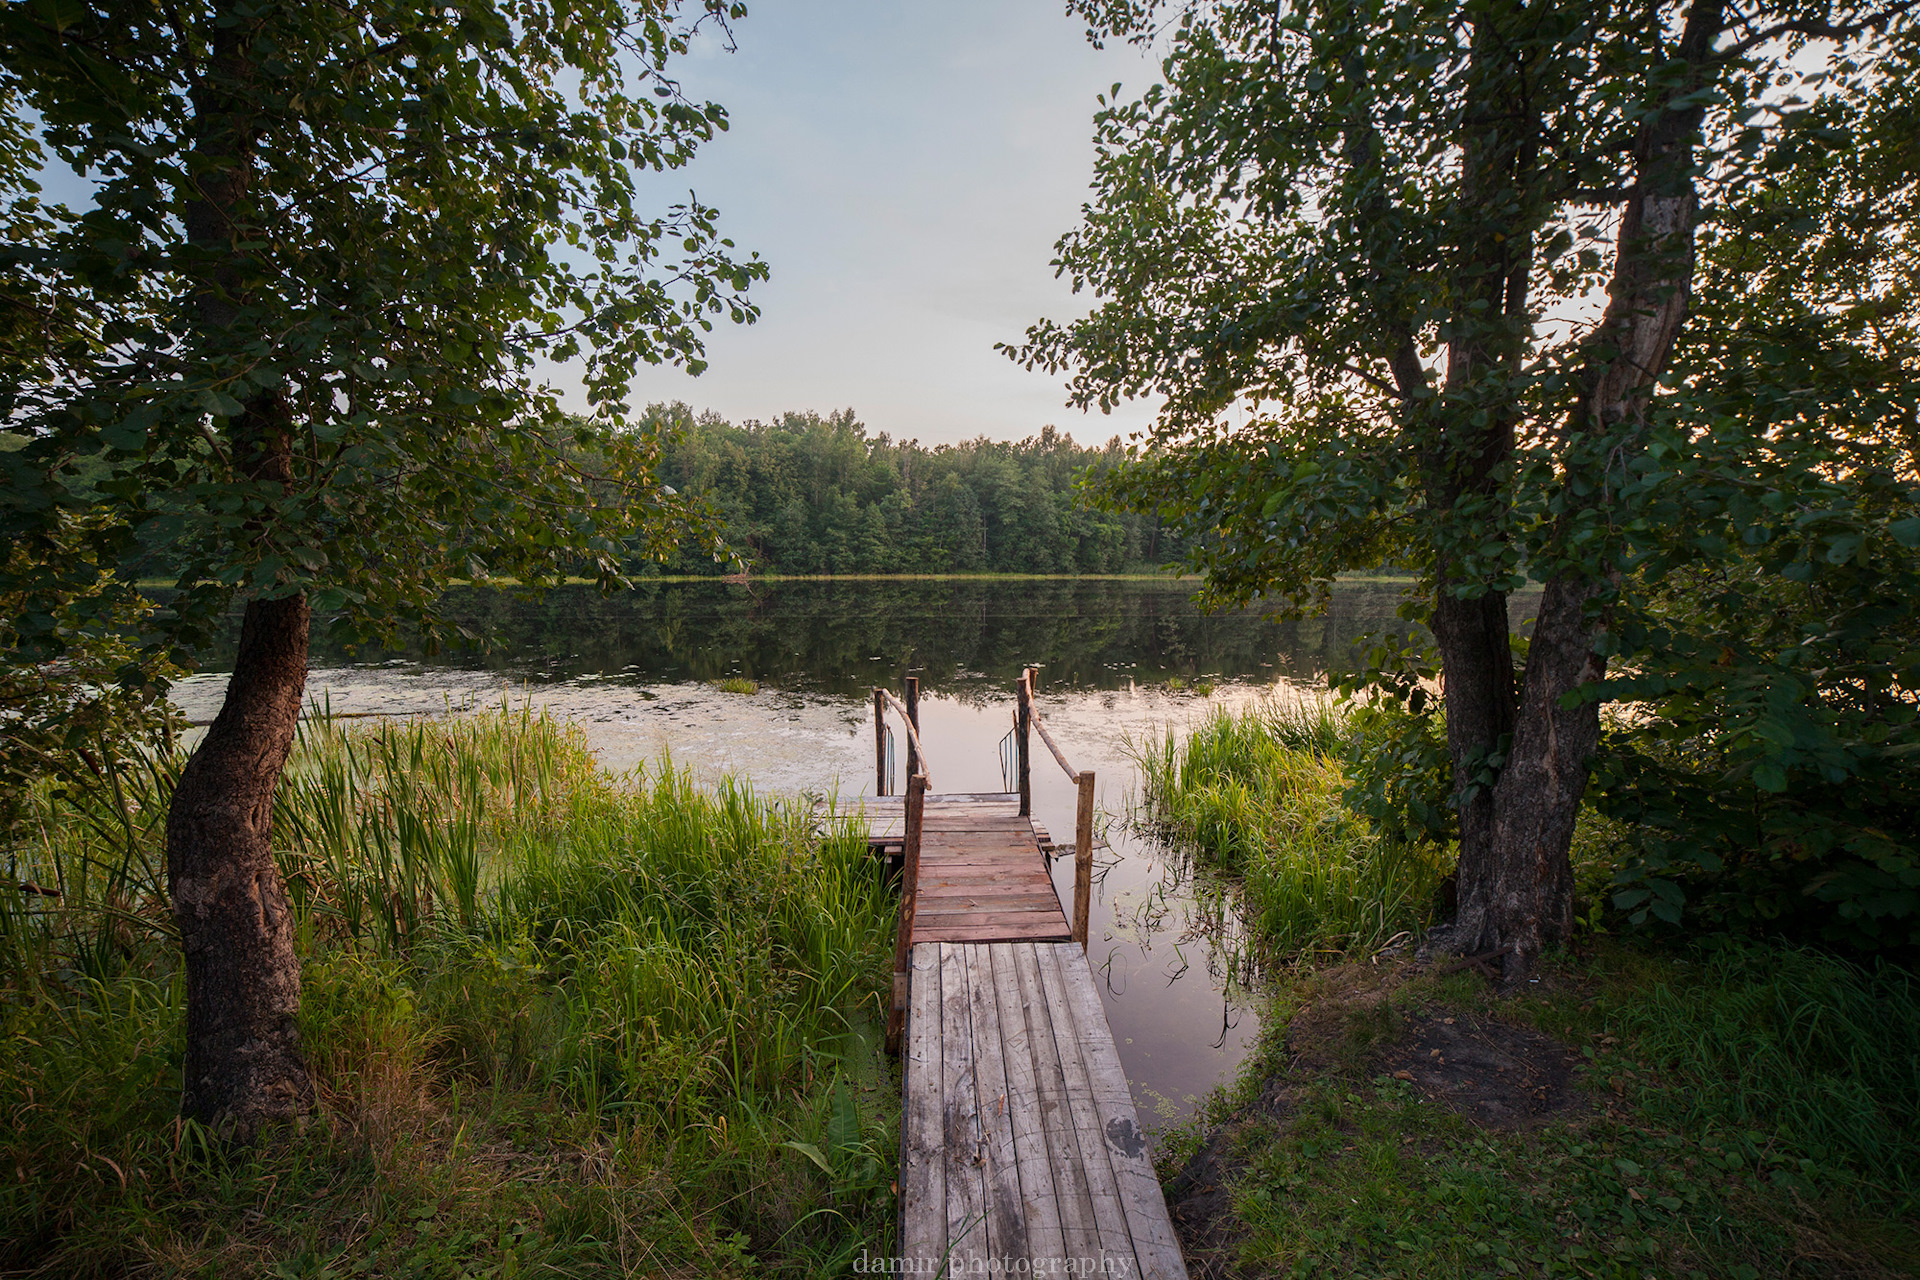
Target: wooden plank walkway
pixel 1021 1153
pixel 982 874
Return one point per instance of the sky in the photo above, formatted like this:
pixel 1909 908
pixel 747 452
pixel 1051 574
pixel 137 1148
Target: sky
pixel 905 167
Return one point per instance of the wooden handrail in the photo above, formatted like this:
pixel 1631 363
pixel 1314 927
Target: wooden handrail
pixel 1053 746
pixel 909 908
pixel 913 733
pixel 1029 715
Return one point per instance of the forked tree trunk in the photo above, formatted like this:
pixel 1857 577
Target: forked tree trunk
pixel 244 1068
pixel 1517 897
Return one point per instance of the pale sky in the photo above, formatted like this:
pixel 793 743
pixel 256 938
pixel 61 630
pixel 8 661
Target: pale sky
pixel 905 168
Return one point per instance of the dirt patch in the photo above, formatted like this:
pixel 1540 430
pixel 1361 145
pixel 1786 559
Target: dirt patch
pixel 1498 1075
pixel 1358 1025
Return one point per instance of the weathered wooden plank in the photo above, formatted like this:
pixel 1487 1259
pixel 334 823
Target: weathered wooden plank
pixel 944 797
pixel 1035 930
pixel 974 844
pixel 1109 1215
pixel 1080 1235
pixel 958 823
pixel 947 908
pixel 923 1203
pixel 1006 1215
pixel 1038 1196
pixel 1033 927
pixel 960 1112
pixel 1148 1223
pixel 968 902
pixel 980 864
pixel 977 881
pixel 974 933
pixel 973 881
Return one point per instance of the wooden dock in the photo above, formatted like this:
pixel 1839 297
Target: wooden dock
pixel 983 868
pixel 1021 1154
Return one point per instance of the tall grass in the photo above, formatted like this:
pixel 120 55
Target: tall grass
pixel 1790 1045
pixel 632 1014
pixel 1258 793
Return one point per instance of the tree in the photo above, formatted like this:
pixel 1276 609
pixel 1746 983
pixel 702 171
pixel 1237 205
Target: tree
pixel 292 351
pixel 1440 255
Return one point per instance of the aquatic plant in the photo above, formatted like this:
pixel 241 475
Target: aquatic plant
pixel 1258 794
pixel 553 1015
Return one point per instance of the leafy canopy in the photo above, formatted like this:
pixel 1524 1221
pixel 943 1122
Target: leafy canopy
pixel 1359 247
pixel 416 210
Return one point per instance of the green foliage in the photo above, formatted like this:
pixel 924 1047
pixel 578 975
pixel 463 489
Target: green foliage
pixel 1260 795
pixel 1767 773
pixel 295 341
pixel 1399 774
pixel 807 494
pixel 91 713
pixel 619 1037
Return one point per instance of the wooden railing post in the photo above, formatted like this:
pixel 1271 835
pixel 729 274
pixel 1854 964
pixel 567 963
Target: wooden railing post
pixel 909 905
pixel 913 717
pixel 1083 858
pixel 1022 733
pixel 879 742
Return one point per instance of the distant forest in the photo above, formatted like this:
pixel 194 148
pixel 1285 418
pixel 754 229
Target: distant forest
pixel 813 494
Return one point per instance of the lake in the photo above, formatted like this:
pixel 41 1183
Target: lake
pixel 1119 661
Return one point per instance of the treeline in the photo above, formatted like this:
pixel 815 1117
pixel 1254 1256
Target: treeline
pixel 813 494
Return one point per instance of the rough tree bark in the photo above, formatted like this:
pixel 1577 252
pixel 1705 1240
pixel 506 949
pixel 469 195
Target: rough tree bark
pixel 1519 899
pixel 244 1068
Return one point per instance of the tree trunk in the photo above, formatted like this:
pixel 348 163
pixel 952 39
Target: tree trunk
pixel 244 1068
pixel 1476 667
pixel 1465 464
pixel 1521 900
pixel 1517 897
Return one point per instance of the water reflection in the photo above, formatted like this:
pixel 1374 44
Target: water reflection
pixel 634 671
pixel 843 636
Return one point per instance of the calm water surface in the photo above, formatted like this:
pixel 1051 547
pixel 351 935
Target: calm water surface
pixel 636 672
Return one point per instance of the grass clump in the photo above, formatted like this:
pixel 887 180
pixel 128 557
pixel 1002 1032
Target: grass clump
pixel 559 1022
pixel 1258 793
pixel 738 684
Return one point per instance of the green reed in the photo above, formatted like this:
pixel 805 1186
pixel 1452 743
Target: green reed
pixel 501 943
pixel 1258 794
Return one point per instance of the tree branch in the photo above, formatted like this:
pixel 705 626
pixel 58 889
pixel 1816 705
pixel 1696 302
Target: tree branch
pixel 1817 29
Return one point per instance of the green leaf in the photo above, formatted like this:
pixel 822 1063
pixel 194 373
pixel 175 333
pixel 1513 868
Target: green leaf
pixel 812 1153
